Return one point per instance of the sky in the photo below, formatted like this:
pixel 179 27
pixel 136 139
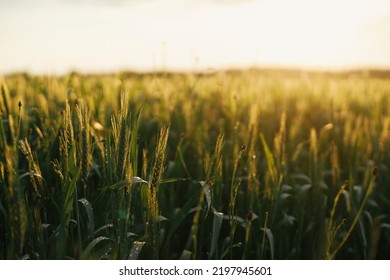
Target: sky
pixel 57 36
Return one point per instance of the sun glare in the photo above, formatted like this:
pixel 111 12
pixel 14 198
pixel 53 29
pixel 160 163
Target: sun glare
pixel 184 35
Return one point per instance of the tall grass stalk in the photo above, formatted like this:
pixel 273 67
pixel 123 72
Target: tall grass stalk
pixel 155 180
pixel 233 198
pixel 332 254
pixel 213 170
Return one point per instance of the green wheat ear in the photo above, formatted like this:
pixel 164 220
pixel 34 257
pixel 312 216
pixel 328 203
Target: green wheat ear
pixel 157 172
pixel 85 148
pixel 5 104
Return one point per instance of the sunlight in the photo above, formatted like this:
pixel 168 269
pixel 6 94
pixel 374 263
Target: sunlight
pixel 312 33
pixel 186 35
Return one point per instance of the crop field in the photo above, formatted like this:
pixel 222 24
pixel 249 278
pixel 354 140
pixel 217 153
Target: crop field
pixel 255 164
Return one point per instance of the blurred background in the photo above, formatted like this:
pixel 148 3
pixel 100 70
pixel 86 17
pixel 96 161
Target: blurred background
pixel 58 36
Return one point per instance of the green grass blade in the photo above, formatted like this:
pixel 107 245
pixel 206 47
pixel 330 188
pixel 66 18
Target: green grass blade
pixel 270 160
pixel 89 210
pixel 136 250
pixel 217 223
pixel 86 254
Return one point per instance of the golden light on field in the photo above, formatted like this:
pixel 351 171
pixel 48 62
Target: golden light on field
pixel 58 36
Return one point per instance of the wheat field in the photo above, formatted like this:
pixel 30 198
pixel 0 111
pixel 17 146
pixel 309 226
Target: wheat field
pixel 255 164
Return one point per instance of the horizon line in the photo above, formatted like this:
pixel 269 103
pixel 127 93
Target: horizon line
pixel 198 70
